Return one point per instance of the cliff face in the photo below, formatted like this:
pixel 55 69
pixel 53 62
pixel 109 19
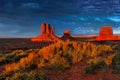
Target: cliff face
pixel 47 34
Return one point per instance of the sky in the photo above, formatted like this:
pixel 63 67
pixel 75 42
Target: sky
pixel 82 17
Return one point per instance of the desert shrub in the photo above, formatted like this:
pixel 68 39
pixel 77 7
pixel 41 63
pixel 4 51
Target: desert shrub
pixel 69 58
pixel 36 76
pixel 109 59
pixel 60 64
pixel 100 49
pixel 11 67
pixel 4 59
pixel 77 57
pixel 117 47
pixel 12 57
pixel 98 62
pixel 116 62
pixel 32 75
pixel 29 62
pixel 94 64
pixel 3 76
pixel 17 55
pixel 90 69
pixel 17 76
pixel 116 59
pixel 62 54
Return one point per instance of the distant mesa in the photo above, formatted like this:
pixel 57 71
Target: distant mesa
pixel 106 33
pixel 47 34
pixel 67 35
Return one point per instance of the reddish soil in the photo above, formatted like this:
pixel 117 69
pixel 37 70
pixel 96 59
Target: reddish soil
pixel 76 73
pixel 8 45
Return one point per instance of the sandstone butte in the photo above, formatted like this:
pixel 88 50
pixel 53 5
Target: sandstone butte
pixel 47 34
pixel 106 33
pixel 67 35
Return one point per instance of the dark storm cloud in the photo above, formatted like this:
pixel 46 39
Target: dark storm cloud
pixel 23 17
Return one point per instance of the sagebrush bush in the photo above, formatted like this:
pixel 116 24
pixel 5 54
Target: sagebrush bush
pixel 109 59
pixel 63 54
pixel 90 69
pixel 29 62
pixel 32 75
pixel 116 62
pixel 13 57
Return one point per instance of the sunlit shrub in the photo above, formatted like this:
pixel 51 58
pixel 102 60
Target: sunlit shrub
pixel 36 76
pixel 32 75
pixel 97 62
pixel 12 67
pixel 3 76
pixel 12 57
pixel 27 62
pixel 100 49
pixel 61 54
pixel 94 64
pixel 77 57
pixel 17 76
pixel 109 59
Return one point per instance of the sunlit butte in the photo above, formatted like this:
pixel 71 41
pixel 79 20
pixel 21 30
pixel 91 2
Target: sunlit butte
pixel 106 33
pixel 47 34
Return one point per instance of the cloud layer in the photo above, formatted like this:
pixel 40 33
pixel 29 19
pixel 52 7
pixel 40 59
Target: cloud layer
pixel 23 17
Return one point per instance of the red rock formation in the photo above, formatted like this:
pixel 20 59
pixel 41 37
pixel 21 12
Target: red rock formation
pixel 67 32
pixel 67 36
pixel 47 34
pixel 48 28
pixel 106 33
pixel 52 30
pixel 43 28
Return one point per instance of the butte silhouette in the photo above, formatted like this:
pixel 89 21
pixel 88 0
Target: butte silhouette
pixel 47 34
pixel 106 33
pixel 67 35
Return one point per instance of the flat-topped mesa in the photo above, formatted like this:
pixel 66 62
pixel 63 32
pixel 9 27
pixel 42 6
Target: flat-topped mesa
pixel 47 34
pixel 67 35
pixel 106 33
